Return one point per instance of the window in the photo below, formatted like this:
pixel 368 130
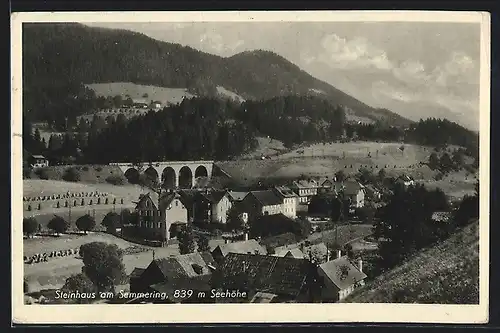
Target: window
pixel 176 203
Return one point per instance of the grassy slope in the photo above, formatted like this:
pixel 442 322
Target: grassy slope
pixel 447 273
pixel 136 91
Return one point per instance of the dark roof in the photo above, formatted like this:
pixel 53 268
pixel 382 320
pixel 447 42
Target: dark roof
pixel 185 265
pixel 137 272
pixel 334 271
pixel 277 275
pixel 187 197
pixel 292 252
pixel 249 246
pixel 148 196
pixel 274 219
pixel 237 196
pixel 352 187
pixel 213 196
pixel 266 197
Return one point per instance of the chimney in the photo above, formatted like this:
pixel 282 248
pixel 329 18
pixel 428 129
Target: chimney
pixel 226 240
pixel 360 264
pixel 327 255
pixel 245 235
pixel 339 253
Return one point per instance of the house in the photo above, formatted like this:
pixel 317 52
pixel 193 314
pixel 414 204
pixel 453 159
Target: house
pixel 172 269
pixel 290 200
pixel 237 196
pixel 187 197
pixel 249 246
pixel 156 105
pixel 157 216
pixel 288 279
pixel 305 189
pixel 406 180
pixel 211 206
pixel 258 203
pixel 38 161
pixel 339 278
pixel 355 192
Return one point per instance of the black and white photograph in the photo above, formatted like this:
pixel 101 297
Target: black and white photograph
pixel 199 159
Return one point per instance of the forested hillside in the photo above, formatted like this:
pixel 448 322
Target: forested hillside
pixel 59 58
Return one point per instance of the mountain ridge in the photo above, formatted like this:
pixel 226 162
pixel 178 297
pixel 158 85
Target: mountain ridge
pixel 87 55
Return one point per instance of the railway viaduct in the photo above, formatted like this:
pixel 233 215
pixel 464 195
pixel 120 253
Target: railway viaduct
pixel 172 174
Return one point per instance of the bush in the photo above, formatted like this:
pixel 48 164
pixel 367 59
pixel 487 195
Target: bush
pixel 111 221
pixel 58 225
pixel 85 168
pixel 71 175
pixel 116 180
pixel 30 226
pixel 98 169
pixel 42 173
pixel 85 223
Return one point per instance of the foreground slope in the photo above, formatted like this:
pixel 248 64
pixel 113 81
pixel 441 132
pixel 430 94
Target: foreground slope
pixel 447 273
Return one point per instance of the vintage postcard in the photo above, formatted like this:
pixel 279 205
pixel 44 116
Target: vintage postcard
pixel 178 167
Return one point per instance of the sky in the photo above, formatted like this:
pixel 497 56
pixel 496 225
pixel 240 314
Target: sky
pixel 416 69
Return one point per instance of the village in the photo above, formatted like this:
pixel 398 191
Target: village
pixel 301 242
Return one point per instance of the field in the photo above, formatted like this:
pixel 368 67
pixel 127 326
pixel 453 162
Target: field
pixel 137 91
pixel 88 173
pixel 266 147
pixel 324 160
pixel 53 274
pixel 447 273
pixel 35 187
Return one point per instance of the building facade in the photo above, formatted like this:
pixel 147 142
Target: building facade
pixel 305 189
pixel 258 203
pixel 290 201
pixel 156 219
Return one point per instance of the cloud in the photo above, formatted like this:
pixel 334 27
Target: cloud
pixel 214 42
pixel 349 54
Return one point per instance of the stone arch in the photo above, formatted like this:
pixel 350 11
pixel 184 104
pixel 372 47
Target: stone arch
pixel 201 171
pixel 169 178
pixel 152 174
pixel 185 177
pixel 132 176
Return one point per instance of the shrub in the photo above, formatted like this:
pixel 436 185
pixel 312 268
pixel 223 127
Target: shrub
pixel 111 221
pixel 71 175
pixel 98 169
pixel 42 173
pixel 58 225
pixel 116 180
pixel 30 226
pixel 85 223
pixel 85 168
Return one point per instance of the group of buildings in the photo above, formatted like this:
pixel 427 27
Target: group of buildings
pixel 158 214
pixel 244 272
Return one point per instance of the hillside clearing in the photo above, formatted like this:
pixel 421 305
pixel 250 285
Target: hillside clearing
pixel 447 273
pixel 138 91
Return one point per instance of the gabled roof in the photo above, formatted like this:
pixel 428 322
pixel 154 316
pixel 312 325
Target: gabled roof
pixel 285 192
pixel 305 183
pixel 352 187
pixel 249 246
pixel 137 272
pixel 237 196
pixel 266 197
pixel 213 197
pixel 342 272
pixel 276 275
pixel 291 252
pixel 185 266
pixel 147 197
